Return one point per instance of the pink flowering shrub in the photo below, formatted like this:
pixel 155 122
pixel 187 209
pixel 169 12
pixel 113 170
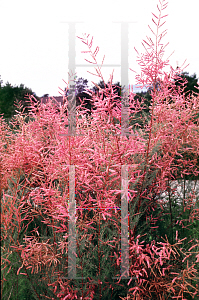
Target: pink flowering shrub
pixel 35 164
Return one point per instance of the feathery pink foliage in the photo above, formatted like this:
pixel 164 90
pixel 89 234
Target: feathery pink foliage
pixel 37 153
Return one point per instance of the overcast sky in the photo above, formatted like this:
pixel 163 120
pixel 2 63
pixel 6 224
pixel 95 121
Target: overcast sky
pixel 34 39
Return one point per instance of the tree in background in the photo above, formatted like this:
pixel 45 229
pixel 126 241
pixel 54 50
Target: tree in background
pixel 82 95
pixel 191 86
pixel 1 81
pixel 80 92
pixel 9 95
pixel 191 83
pixel 144 98
pixel 117 90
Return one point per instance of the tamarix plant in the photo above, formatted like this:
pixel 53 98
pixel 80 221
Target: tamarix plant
pixel 37 160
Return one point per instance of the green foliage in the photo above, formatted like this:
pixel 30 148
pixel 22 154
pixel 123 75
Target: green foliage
pixel 23 287
pixel 10 95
